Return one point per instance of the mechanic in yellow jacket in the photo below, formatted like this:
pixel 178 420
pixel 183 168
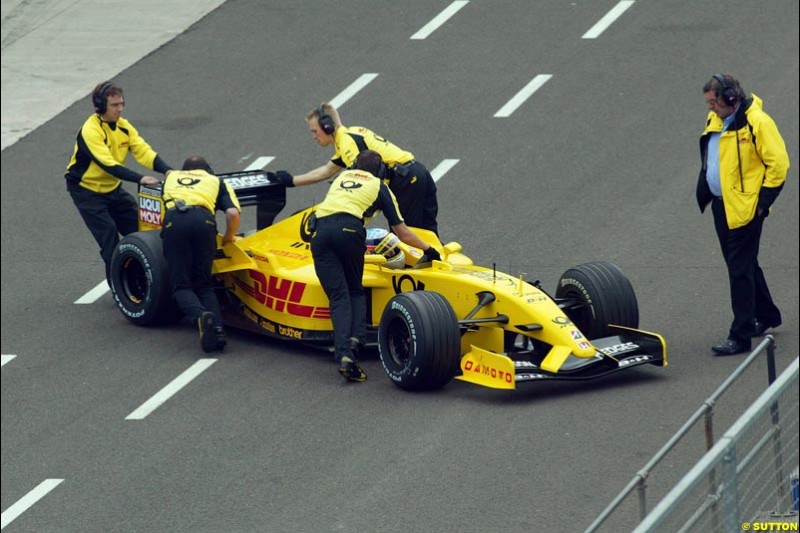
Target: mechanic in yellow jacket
pixel 408 179
pixel 191 197
pixel 97 169
pixel 338 247
pixel 744 166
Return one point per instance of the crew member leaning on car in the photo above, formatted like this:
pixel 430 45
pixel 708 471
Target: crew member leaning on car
pixel 338 246
pixel 191 197
pixel 97 168
pixel 407 178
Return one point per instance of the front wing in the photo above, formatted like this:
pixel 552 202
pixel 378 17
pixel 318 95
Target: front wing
pixel 626 349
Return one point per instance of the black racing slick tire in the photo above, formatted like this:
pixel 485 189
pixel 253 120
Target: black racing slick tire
pixel 140 280
pixel 595 295
pixel 419 341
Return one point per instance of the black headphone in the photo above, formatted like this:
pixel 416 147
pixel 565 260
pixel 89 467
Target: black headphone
pixel 728 94
pixel 326 123
pixel 99 97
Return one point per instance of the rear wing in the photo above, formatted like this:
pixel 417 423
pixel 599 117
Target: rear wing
pixel 251 186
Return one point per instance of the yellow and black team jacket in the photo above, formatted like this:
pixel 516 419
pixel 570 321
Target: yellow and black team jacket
pixel 359 193
pixel 350 141
pixel 198 188
pixel 753 163
pixel 101 149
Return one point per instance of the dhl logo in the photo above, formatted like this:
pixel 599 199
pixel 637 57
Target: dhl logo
pixel 282 295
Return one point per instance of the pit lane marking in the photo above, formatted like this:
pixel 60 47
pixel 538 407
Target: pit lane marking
pixel 260 163
pixel 443 167
pixel 6 358
pixel 27 501
pixel 522 95
pixel 93 295
pixel 170 390
pixel 439 19
pixel 609 18
pixel 352 89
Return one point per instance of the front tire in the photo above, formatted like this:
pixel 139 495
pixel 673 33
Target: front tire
pixel 419 341
pixel 140 280
pixel 598 294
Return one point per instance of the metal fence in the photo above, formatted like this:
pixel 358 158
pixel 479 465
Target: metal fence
pixel 748 480
pixel 704 413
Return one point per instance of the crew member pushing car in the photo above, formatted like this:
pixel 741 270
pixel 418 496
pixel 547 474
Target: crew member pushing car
pixel 97 169
pixel 338 246
pixel 407 178
pixel 191 197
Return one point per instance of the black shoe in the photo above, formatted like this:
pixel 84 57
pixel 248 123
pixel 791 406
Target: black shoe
pixel 350 370
pixel 761 327
pixel 731 347
pixel 219 335
pixel 208 341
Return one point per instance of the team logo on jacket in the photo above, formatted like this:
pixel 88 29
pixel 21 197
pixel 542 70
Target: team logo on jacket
pixel 305 230
pixel 349 185
pixel 188 182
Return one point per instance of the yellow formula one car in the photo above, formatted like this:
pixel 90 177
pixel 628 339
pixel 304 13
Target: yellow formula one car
pixel 449 319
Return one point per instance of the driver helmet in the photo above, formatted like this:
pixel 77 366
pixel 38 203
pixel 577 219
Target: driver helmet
pixel 380 241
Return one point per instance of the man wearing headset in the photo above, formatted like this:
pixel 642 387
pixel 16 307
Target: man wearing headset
pixel 744 165
pixel 338 245
pixel 407 178
pixel 191 197
pixel 97 169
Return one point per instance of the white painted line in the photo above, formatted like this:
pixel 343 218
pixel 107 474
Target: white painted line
pixel 354 87
pixel 607 20
pixel 439 19
pixel 93 295
pixel 442 168
pixel 10 514
pixel 167 392
pixel 523 95
pixel 260 163
pixel 7 358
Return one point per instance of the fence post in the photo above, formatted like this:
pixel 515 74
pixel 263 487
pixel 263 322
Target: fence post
pixel 642 487
pixel 729 494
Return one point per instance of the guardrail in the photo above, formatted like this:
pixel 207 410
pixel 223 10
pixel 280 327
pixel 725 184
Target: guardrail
pixel 706 412
pixel 744 482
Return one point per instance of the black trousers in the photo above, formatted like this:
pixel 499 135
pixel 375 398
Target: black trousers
pixel 106 216
pixel 750 297
pixel 190 242
pixel 338 247
pixel 415 190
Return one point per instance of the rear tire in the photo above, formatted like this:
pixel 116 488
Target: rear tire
pixel 419 341
pixel 140 280
pixel 602 295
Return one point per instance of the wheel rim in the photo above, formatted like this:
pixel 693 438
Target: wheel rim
pixel 399 342
pixel 134 281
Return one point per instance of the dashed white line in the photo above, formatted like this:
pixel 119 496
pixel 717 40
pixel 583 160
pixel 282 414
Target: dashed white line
pixel 439 19
pixel 6 358
pixel 442 168
pixel 167 392
pixel 94 294
pixel 616 12
pixel 27 501
pixel 260 163
pixel 523 95
pixel 354 87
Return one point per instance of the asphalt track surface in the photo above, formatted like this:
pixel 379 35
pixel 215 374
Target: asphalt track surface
pixel 600 163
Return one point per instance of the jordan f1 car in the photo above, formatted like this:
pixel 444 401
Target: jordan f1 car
pixel 448 319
